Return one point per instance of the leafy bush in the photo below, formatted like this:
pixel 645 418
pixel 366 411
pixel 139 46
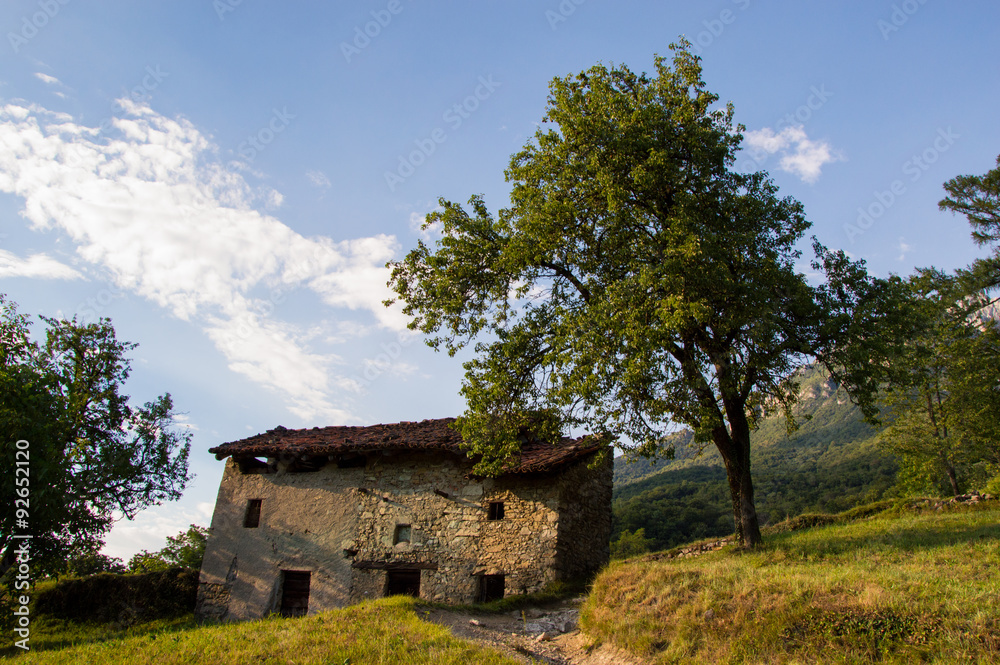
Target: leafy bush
pixel 122 599
pixel 631 544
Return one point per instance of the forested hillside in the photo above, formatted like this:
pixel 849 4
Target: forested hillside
pixel 830 463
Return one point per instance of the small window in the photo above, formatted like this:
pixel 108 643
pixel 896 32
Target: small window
pixel 495 511
pixel 491 587
pixel 295 592
pixel 402 534
pixel 251 520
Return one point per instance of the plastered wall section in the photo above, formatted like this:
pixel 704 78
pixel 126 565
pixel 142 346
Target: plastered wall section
pixel 306 520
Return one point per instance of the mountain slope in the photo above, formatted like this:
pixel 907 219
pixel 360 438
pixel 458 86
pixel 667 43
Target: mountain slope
pixel 830 463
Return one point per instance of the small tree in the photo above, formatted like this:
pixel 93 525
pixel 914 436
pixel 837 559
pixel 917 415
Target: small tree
pixel 944 406
pixel 631 543
pixel 92 562
pixel 637 282
pixel 185 549
pixel 92 454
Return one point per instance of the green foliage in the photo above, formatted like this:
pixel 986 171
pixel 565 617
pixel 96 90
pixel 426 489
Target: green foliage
pixel 631 544
pixel 92 562
pixel 978 198
pixel 91 453
pixel 944 405
pixel 636 282
pixel 186 549
pixel 121 599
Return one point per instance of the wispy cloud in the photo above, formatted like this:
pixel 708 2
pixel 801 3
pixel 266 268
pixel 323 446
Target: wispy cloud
pixel 45 78
pixel 37 266
pixel 904 248
pixel 318 179
pixel 149 203
pixel 800 155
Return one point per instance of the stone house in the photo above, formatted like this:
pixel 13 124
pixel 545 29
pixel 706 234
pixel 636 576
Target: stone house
pixel 312 519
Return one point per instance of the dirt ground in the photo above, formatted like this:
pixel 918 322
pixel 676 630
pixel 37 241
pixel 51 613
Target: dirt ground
pixel 532 635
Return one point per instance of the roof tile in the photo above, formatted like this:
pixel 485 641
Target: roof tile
pixel 427 435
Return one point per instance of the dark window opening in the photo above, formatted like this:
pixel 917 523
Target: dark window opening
pixel 294 593
pixel 351 461
pixel 402 534
pixel 402 583
pixel 248 465
pixel 495 511
pixel 491 587
pixel 251 520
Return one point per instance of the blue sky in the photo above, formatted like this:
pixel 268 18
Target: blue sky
pixel 226 179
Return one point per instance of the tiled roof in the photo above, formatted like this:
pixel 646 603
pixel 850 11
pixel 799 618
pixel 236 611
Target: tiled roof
pixel 429 435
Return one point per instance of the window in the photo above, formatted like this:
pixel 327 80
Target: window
pixel 251 519
pixel 495 511
pixel 402 534
pixel 294 592
pixel 402 583
pixel 491 587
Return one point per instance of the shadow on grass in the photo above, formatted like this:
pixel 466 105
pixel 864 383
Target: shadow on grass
pixel 843 539
pixel 54 634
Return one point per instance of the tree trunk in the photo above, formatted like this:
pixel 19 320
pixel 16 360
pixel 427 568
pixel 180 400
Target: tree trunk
pixel 952 478
pixel 736 455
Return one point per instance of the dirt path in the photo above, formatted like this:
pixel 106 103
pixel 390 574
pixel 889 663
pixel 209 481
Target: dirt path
pixel 538 634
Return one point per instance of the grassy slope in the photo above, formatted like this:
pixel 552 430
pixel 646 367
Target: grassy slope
pixel 897 587
pixel 829 464
pixel 384 631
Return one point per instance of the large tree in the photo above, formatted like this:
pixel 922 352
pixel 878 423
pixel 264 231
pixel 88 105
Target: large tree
pixel 636 282
pixel 91 455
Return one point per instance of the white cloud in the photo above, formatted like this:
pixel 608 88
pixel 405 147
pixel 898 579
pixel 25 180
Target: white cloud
pixel 147 202
pixel 318 179
pixel 904 249
pixel 800 155
pixel 45 78
pixel 38 266
pixel 149 530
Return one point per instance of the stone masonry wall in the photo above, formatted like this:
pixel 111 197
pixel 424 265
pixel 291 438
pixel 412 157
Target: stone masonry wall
pixel 415 510
pixel 585 518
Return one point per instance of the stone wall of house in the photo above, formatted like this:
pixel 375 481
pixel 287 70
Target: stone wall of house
pixel 584 539
pixel 352 527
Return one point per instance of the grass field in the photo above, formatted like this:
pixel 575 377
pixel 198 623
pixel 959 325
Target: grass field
pixel 898 587
pixel 387 631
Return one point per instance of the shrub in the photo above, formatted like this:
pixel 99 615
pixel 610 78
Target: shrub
pixel 123 599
